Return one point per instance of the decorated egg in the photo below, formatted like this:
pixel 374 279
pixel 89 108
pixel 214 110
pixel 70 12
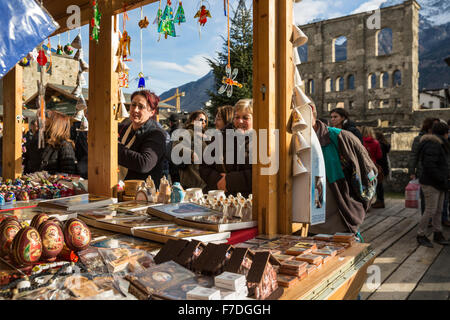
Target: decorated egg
pixel 77 234
pixel 23 196
pixel 52 239
pixel 57 221
pixel 68 49
pixel 8 230
pixel 33 194
pixel 2 199
pixel 26 247
pixel 10 197
pixel 38 219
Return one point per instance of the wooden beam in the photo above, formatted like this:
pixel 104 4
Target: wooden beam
pixel 103 96
pixel 265 187
pixel 285 81
pixel 58 10
pixel 12 124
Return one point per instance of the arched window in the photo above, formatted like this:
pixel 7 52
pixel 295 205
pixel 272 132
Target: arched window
pixel 351 82
pixel 339 49
pixel 371 106
pixel 397 78
pixel 384 80
pixel 328 86
pixel 385 103
pixel 384 42
pixel 339 84
pixel 310 86
pixel 340 104
pixel 372 81
pixel 303 52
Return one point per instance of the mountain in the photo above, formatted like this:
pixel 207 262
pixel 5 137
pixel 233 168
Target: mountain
pixel 196 93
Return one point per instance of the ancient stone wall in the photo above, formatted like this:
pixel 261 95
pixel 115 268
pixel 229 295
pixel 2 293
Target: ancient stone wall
pixel 369 83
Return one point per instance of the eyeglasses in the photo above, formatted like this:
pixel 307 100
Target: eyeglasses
pixel 202 120
pixel 138 105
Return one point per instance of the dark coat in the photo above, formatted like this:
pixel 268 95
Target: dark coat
pixel 81 152
pixel 433 153
pixel 146 155
pixel 238 176
pixel 383 162
pixel 60 159
pixel 351 126
pixel 414 163
pixel 32 156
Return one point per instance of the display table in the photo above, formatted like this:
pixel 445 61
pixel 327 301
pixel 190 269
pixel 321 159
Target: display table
pixel 340 279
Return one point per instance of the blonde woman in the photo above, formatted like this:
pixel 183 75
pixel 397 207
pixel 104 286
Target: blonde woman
pixel 231 176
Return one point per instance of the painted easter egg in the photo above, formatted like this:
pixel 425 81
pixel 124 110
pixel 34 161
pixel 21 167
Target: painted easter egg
pixel 26 247
pixel 38 219
pixel 10 197
pixel 77 234
pixel 9 227
pixel 52 239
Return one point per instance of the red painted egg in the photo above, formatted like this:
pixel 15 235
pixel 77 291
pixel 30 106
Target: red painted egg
pixel 77 235
pixel 26 247
pixel 52 239
pixel 8 230
pixel 38 219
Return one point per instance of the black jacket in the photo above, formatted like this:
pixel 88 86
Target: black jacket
pixel 351 126
pixel 433 153
pixel 146 155
pixel 32 157
pixel 81 152
pixel 59 159
pixel 383 162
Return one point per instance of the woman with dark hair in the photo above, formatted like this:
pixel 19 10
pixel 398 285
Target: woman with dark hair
pixel 59 154
pixel 142 142
pixel 341 119
pixel 189 172
pixel 224 117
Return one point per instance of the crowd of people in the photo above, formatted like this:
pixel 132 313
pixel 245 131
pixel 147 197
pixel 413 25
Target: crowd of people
pixel 356 158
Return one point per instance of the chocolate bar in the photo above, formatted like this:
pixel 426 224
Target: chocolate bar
pixel 310 258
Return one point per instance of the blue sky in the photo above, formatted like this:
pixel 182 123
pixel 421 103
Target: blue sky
pixel 175 61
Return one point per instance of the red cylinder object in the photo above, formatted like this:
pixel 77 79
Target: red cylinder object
pixel 412 195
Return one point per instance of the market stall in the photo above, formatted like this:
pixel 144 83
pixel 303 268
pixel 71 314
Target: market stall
pixel 135 241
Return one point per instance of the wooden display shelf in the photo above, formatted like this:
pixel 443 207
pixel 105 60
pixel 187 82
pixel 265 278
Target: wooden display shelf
pixel 340 279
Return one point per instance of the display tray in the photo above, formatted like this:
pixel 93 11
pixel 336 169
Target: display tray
pixel 79 202
pixel 130 206
pixel 181 210
pixel 218 227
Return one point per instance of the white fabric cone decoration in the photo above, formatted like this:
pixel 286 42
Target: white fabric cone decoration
pixel 125 67
pixel 80 79
pixel 121 96
pixel 79 115
pixel 78 55
pixel 299 167
pixel 81 104
pixel 298 123
pixel 76 43
pixel 298 37
pixel 77 91
pixel 84 124
pixel 83 65
pixel 300 143
pixel 296 57
pixel 298 82
pixel 123 111
pixel 300 98
pixel 119 67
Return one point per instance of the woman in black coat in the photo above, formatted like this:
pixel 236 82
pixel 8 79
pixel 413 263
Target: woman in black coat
pixel 142 142
pixel 59 154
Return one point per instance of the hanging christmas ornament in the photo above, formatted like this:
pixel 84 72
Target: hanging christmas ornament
pixel 225 7
pixel 80 107
pixel 143 23
pixel 95 22
pixel 78 55
pixel 141 78
pixel 179 16
pixel 83 65
pixel 84 124
pixel 122 111
pixel 59 48
pixel 24 62
pixel 123 79
pixel 141 84
pixel 166 25
pixel 158 16
pixel 68 50
pixel 76 43
pixel 229 81
pixel 42 58
pixel 202 14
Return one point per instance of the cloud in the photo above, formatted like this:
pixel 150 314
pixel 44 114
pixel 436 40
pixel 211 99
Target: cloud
pixel 197 65
pixel 368 6
pixel 309 10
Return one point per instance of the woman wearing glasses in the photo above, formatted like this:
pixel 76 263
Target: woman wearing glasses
pixel 234 175
pixel 189 172
pixel 142 142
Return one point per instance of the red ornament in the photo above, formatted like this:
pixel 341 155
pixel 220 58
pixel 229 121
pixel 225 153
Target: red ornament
pixel 42 58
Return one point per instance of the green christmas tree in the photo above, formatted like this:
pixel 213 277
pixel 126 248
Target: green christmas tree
pixel 179 16
pixel 166 25
pixel 241 57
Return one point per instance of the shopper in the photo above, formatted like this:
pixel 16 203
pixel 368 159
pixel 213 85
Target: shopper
pixel 142 142
pixel 32 155
pixel 384 166
pixel 433 151
pixel 224 117
pixel 340 118
pixel 58 155
pixel 175 123
pixel 414 163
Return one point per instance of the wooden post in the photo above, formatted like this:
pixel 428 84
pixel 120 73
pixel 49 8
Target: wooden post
pixel 285 81
pixel 103 97
pixel 12 124
pixel 265 187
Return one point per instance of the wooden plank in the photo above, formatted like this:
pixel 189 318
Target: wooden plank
pixel 435 284
pixel 386 239
pixel 409 212
pixel 334 267
pixel 266 186
pixel 380 228
pixel 391 259
pixel 12 120
pixel 399 285
pixel 371 221
pixel 392 211
pixel 103 95
pixel 285 80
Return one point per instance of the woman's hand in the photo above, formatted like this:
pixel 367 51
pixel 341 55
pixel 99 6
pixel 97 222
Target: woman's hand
pixel 222 183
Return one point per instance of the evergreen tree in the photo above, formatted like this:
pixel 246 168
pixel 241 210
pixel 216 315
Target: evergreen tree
pixel 241 57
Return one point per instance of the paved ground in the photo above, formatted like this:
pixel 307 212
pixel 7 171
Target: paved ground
pixel 407 271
